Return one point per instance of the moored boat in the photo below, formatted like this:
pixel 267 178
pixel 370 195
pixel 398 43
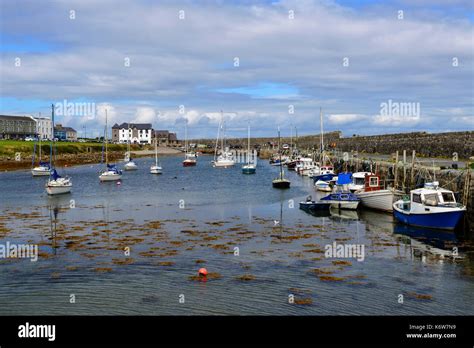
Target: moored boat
pixel 430 206
pixel 43 169
pixel 56 184
pixel 358 181
pixel 281 182
pixel 309 204
pixel 323 186
pixel 374 196
pixel 190 158
pixel 111 172
pixel 343 199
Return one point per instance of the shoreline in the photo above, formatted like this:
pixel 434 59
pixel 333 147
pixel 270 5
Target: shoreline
pixel 69 160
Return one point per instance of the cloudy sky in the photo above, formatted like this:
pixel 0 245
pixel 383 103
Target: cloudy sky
pixel 270 63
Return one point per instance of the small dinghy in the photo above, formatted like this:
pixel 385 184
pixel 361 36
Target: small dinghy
pixel 309 204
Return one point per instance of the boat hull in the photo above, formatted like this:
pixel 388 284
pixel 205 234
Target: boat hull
pixel 40 172
pixel 281 184
pixel 155 170
pixel 58 190
pixel 130 167
pixel 439 220
pixel 378 200
pixel 110 177
pixel 223 164
pixel 189 163
pixel 350 205
pixel 315 205
pixel 248 170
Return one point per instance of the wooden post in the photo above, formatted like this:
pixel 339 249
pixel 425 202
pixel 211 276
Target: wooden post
pixel 412 170
pixel 395 181
pixel 404 169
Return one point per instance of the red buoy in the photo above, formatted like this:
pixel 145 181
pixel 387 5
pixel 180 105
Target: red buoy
pixel 203 272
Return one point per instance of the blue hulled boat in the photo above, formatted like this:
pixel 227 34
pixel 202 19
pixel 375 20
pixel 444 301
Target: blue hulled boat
pixel 431 206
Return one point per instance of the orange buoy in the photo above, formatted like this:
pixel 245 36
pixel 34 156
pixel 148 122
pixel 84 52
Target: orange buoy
pixel 202 272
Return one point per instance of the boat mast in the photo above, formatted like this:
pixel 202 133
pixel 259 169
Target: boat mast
pixel 185 137
pixel 279 151
pixel 52 139
pixel 156 150
pixel 105 135
pixel 248 149
pixel 128 142
pixel 217 140
pixel 39 141
pixel 322 139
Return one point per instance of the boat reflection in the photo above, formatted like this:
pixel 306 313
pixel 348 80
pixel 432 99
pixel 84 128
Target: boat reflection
pixel 56 204
pixel 425 242
pixel 342 215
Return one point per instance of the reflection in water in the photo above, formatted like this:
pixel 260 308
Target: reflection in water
pixel 425 241
pixel 341 215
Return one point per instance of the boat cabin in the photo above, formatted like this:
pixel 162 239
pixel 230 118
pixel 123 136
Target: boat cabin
pixel 430 196
pixel 372 183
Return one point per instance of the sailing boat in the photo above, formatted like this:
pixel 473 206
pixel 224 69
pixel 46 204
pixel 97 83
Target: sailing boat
pixel 43 168
pixel 280 182
pixel 323 174
pixel 156 169
pixel 225 159
pixel 249 168
pixel 189 157
pixel 130 165
pixel 56 184
pixel 111 173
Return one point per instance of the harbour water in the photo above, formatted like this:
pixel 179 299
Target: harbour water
pixel 194 217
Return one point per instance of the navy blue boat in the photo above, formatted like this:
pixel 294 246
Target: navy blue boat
pixel 309 204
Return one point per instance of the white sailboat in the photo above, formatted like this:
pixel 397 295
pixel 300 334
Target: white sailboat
pixel 130 165
pixel 56 184
pixel 43 168
pixel 111 173
pixel 225 158
pixel 250 167
pixel 190 158
pixel 156 169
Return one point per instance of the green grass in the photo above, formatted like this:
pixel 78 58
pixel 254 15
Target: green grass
pixel 10 147
pixel 471 165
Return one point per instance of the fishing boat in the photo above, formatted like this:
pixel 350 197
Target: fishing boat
pixel 310 204
pixel 325 173
pixel 281 182
pixel 226 158
pixel 430 206
pixel 43 168
pixel 56 184
pixel 343 198
pixel 305 165
pixel 190 158
pixel 358 181
pixel 249 168
pixel 156 169
pixel 130 165
pixel 374 196
pixel 111 172
pixel 323 186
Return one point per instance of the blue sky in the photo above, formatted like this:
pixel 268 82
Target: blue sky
pixel 345 56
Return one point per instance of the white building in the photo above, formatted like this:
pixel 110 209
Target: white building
pixel 44 128
pixel 136 133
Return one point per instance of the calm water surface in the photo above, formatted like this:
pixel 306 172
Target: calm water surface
pixel 189 218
